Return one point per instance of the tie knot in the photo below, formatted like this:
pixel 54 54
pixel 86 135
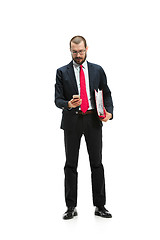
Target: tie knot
pixel 81 66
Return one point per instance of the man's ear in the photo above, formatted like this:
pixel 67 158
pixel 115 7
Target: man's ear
pixel 86 48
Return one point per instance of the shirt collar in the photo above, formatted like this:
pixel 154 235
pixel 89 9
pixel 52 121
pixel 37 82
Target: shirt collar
pixel 78 65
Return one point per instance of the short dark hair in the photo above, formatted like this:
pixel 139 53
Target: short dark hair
pixel 77 40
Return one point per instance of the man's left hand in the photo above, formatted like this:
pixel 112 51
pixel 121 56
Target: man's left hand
pixel 108 116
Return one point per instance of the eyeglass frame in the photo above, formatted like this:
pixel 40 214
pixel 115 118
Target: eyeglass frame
pixel 81 52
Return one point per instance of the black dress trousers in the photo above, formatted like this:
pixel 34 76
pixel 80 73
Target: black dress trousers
pixel 90 126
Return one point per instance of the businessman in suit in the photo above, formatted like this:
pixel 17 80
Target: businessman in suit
pixel 79 117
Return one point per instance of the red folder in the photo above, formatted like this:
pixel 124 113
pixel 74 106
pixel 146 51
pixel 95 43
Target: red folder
pixel 100 103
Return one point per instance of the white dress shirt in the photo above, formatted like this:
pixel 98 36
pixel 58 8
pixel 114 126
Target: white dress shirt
pixel 76 68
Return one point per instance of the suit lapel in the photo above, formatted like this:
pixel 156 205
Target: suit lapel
pixel 91 72
pixel 72 76
pixel 91 76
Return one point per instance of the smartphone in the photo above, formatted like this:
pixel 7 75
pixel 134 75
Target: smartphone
pixel 76 96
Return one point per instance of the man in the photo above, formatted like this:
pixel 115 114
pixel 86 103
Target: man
pixel 79 117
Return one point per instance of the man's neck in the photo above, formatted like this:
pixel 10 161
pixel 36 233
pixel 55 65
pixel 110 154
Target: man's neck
pixel 77 65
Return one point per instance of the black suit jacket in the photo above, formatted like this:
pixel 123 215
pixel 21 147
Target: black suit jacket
pixel 66 87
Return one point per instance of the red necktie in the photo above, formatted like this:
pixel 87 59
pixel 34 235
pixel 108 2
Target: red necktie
pixel 83 94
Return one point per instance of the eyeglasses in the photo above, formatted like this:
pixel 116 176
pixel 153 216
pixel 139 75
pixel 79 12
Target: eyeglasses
pixel 81 52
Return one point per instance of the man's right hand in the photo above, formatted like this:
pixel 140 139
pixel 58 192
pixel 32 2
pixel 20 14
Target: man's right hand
pixel 73 103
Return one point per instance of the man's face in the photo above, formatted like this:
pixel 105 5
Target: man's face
pixel 79 52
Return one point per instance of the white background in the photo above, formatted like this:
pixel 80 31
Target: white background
pixel 123 37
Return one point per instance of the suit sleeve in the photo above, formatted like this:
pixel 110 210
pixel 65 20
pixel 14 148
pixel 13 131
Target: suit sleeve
pixel 59 91
pixel 108 103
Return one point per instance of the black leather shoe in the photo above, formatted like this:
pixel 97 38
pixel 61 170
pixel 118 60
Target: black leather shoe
pixel 102 212
pixel 70 213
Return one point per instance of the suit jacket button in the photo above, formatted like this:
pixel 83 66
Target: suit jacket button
pixel 76 112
